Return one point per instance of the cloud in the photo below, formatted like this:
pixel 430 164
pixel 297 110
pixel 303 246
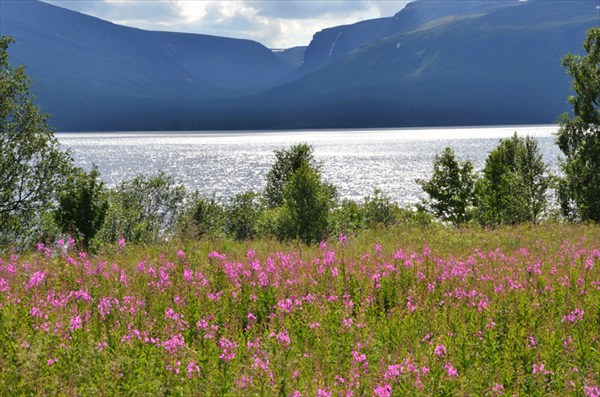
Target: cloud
pixel 277 24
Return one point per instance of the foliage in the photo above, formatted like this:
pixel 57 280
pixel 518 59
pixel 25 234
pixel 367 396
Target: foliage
pixel 82 205
pixel 205 216
pixel 32 165
pixel 307 204
pixel 514 183
pixel 352 217
pixel 143 209
pixel 579 134
pixel 416 312
pixel 287 161
pixel 242 214
pixel 451 189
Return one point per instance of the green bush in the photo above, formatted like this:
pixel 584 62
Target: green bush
pixel 32 165
pixel 242 214
pixel 513 188
pixel 143 209
pixel 204 217
pixel 82 205
pixel 451 189
pixel 579 135
pixel 287 161
pixel 307 204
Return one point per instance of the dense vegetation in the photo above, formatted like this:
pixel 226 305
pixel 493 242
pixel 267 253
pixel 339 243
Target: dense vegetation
pixel 401 311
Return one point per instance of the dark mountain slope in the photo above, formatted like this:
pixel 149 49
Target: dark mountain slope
pixel 501 66
pixel 93 74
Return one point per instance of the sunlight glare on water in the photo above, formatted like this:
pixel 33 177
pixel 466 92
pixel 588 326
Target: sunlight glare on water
pixel 356 161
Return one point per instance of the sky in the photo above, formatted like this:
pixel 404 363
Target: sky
pixel 274 23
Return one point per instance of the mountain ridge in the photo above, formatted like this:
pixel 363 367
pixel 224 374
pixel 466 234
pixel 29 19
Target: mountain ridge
pixel 431 64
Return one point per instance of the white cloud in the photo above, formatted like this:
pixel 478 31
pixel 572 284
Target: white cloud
pixel 279 24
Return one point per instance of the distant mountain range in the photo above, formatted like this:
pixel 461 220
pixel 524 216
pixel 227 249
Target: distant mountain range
pixel 435 63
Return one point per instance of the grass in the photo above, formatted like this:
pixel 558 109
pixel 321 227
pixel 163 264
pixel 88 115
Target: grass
pixel 392 312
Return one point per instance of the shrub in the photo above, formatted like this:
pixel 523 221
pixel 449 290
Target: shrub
pixel 32 166
pixel 205 216
pixel 143 209
pixel 579 135
pixel 287 161
pixel 307 204
pixel 242 214
pixel 82 205
pixel 514 183
pixel 451 189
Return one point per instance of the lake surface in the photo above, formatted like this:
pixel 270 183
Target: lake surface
pixel 356 161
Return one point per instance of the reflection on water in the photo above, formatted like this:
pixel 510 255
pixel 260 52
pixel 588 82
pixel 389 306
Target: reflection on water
pixel 357 162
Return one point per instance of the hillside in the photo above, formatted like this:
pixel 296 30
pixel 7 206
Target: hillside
pixel 434 63
pixel 92 74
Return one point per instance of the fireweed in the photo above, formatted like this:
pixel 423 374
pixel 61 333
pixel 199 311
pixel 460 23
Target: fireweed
pixel 341 319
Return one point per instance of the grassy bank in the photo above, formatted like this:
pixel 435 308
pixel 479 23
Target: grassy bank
pixel 400 311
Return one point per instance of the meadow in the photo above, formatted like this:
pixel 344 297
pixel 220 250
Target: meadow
pixel 429 311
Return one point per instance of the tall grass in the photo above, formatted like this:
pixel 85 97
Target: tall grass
pixel 399 311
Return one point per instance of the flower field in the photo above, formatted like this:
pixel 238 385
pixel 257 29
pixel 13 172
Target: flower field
pixel 393 312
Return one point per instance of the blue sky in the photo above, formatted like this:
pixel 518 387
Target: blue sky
pixel 275 23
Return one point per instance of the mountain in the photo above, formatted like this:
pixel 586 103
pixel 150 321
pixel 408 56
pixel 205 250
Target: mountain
pixel 434 63
pixel 293 57
pixel 498 65
pixel 92 74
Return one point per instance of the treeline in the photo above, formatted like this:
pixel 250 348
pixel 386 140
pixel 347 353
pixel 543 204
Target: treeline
pixel 44 196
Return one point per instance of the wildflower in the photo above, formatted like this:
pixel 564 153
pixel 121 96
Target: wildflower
pixel 383 390
pixel 181 254
pixel 323 392
pixel 440 351
pixel 36 279
pixel 591 391
pixel 575 315
pixel 541 369
pixel 227 349
pixel 52 361
pixel 283 338
pixel 498 388
pixel 358 357
pixel 450 370
pixel 121 242
pixel 192 368
pixel 174 343
pixel 75 323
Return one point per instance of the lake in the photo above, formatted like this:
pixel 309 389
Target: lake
pixel 356 161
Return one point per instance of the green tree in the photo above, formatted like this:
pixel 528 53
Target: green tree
pixel 32 165
pixel 307 204
pixel 242 214
pixel 287 161
pixel 143 209
pixel 205 216
pixel 579 134
pixel 451 188
pixel 514 183
pixel 82 205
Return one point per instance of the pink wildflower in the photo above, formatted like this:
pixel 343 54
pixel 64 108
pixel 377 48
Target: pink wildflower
pixel 383 390
pixel 450 370
pixel 440 351
pixel 498 389
pixel 591 391
pixel 228 349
